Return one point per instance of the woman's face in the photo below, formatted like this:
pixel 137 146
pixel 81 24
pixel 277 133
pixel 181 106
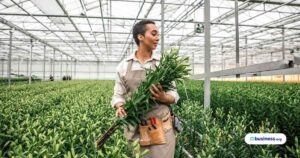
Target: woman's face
pixel 151 37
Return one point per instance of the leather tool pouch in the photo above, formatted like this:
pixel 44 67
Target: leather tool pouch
pixel 152 134
pixel 144 135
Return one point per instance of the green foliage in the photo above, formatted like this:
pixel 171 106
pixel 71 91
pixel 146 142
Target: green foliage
pixel 219 136
pixel 64 119
pixel 265 106
pixel 172 68
pixel 19 79
pixel 58 119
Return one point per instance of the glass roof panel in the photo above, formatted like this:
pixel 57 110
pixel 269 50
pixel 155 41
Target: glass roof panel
pixel 259 22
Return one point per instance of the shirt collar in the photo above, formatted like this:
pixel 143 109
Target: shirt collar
pixel 154 56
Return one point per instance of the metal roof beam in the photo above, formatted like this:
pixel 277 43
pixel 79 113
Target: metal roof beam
pixel 121 18
pixel 257 68
pixel 259 15
pixel 166 3
pixel 14 4
pixel 18 48
pixel 66 13
pixel 271 2
pixel 230 13
pixel 278 24
pixel 4 21
pixel 83 5
pixel 136 18
pixel 186 13
pixel 150 8
pixel 39 22
pixel 101 11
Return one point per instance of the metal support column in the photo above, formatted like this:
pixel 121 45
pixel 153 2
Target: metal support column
pixel 53 64
pixel 61 65
pixel 2 67
pixel 44 64
pixel 283 47
pixel 9 58
pixel 207 53
pixel 98 69
pixel 30 63
pixel 271 61
pixel 237 38
pixel 27 67
pixel 71 68
pixel 252 64
pixel 50 63
pixel 223 65
pixel 162 43
pixel 89 64
pixel 19 59
pixel 246 53
pixel 193 63
pixel 75 65
pixel 67 67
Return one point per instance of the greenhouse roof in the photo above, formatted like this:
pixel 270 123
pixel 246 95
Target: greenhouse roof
pixel 100 30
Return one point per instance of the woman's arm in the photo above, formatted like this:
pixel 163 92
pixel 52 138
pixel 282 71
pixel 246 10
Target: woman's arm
pixel 160 95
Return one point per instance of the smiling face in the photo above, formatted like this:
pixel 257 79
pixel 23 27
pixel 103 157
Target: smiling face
pixel 150 38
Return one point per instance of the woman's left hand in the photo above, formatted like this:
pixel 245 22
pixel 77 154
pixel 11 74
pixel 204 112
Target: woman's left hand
pixel 158 93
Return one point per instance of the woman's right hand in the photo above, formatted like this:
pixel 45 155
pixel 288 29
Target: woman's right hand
pixel 120 111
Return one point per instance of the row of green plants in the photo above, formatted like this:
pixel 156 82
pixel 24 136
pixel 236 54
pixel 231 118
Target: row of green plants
pixel 276 106
pixel 208 136
pixel 4 80
pixel 62 120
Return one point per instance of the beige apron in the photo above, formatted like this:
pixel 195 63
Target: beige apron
pixel 132 80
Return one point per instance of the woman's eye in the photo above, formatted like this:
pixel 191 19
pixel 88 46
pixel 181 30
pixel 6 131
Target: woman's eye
pixel 155 34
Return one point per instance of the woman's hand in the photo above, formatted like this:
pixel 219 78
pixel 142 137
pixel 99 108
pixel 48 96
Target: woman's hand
pixel 120 111
pixel 160 95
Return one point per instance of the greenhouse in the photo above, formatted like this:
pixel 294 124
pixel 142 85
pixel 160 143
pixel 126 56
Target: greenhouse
pixel 78 75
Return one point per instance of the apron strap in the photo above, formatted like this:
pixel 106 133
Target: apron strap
pixel 153 64
pixel 131 61
pixel 129 65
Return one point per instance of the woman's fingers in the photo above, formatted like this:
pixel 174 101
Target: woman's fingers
pixel 121 112
pixel 154 94
pixel 160 87
pixel 155 89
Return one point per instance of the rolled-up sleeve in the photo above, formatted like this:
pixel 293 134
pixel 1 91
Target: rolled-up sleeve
pixel 174 93
pixel 119 92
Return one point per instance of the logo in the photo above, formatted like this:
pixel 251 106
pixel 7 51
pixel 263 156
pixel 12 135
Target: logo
pixel 265 138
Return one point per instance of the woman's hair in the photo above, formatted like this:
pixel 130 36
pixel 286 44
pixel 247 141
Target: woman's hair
pixel 139 28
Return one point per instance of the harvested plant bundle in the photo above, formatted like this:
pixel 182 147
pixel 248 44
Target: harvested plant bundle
pixel 172 68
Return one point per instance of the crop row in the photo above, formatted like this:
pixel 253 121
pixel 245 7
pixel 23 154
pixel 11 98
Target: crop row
pixel 64 119
pixel 61 123
pixel 268 105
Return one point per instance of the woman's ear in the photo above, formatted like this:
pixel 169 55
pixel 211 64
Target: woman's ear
pixel 140 37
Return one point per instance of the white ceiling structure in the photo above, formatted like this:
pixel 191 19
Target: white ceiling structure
pixel 100 30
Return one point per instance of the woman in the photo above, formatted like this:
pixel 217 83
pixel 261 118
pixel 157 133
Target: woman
pixel 131 72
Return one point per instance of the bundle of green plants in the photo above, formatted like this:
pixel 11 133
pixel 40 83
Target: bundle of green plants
pixel 172 68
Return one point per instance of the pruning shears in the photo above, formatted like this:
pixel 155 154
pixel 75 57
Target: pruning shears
pixel 153 122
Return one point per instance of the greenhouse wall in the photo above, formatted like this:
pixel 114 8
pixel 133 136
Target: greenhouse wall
pixel 84 70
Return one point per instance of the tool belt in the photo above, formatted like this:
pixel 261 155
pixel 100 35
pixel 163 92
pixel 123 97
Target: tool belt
pixel 152 131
